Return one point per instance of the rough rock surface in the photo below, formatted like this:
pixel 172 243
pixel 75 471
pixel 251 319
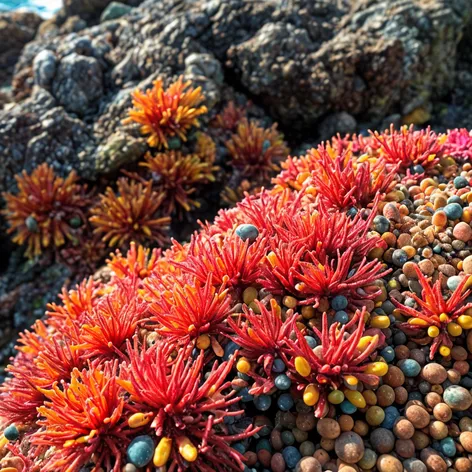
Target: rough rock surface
pixel 311 64
pixel 16 29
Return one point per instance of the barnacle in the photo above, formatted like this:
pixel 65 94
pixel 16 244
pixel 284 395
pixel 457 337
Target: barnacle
pixel 442 319
pixel 256 151
pixel 47 211
pixel 177 176
pixel 130 215
pixel 164 113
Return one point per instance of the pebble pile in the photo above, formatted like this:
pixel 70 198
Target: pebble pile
pixel 310 328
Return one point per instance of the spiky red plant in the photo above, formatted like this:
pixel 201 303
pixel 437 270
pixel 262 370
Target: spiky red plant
pixel 189 309
pixel 47 211
pixel 130 215
pixel 187 412
pixel 344 182
pixel 337 277
pixel 139 262
pixel 177 177
pixel 408 147
pixel 84 419
pixel 256 151
pixel 338 357
pixel 262 338
pixel 228 259
pixel 230 117
pixel 164 113
pixel 434 310
pixel 458 144
pixel 112 321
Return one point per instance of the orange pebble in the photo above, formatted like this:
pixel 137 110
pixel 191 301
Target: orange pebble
pixel 439 219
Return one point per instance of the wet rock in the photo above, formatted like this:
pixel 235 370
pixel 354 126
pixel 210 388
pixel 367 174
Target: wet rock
pixel 114 11
pixel 44 68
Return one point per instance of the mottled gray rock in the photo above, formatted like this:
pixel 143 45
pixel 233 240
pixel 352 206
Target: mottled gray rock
pixel 342 123
pixel 114 11
pixel 44 68
pixel 78 84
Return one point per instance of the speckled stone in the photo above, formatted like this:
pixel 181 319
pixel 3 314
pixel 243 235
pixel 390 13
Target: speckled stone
pixel 434 373
pixel 458 398
pixel 308 464
pixel 388 463
pixel 349 447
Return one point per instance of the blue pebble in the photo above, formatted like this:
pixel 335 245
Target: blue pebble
pixel 278 365
pixel 410 367
pixel 347 407
pixel 285 402
pixel 381 224
pixel 339 302
pixel 140 451
pixel 399 257
pixel 288 438
pixel 415 396
pixel 448 447
pixel 417 169
pixel 352 212
pixel 246 231
pixel 391 414
pixel 453 282
pixel 341 317
pixel 11 432
pixel 282 382
pixel 410 302
pixel 244 377
pixel 311 341
pixel 437 249
pixel 460 182
pixel 291 456
pixel 388 353
pixel 454 199
pixel 262 402
pixel 388 307
pixel 229 350
pixel 453 211
pixel 263 444
pixel 239 447
pixel 245 395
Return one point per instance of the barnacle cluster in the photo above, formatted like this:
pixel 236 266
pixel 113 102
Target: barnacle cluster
pixel 308 305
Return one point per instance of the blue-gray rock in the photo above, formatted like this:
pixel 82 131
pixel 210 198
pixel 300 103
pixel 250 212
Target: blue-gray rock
pixel 114 11
pixel 44 68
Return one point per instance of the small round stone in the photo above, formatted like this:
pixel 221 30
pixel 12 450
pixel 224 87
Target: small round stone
pixel 307 448
pixel 347 407
pixel 453 282
pixel 291 456
pixel 328 428
pixel 403 429
pixel 382 440
pixel 442 412
pixel 394 377
pixel 140 450
pixel 460 182
pixel 349 447
pixel 282 382
pixel 375 415
pixel 381 224
pixel 278 365
pixel 285 402
pixel 467 265
pixel 462 231
pixel 368 459
pixel 388 354
pixel 11 432
pixel 448 447
pixel 277 463
pixel 339 302
pixel 418 416
pixel 433 461
pixel 129 468
pixel 306 421
pixel 457 398
pixel 341 317
pixel 388 463
pixel 463 464
pixel 262 402
pixel 453 211
pixel 399 257
pixel 434 373
pixel 466 440
pixel 247 232
pixel 414 465
pixel 311 341
pixel 410 367
pixel 308 464
pixel 391 415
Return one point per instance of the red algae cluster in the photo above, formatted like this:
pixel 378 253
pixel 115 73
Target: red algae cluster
pixel 323 324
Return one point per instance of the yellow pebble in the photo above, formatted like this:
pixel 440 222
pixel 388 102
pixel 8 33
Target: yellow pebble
pixel 249 295
pixel 272 258
pixel 162 452
pixel 444 351
pixel 255 308
pixel 138 419
pixel 465 321
pixel 443 317
pixel 380 321
pixel 186 449
pixel 410 251
pixel 243 365
pixel 417 322
pixel 377 368
pixel 203 341
pixel 351 380
pixel 308 312
pixel 454 329
pixel 336 397
pixel 311 395
pixel 355 398
pixel 365 342
pixel 433 331
pixel 302 366
pixel 289 302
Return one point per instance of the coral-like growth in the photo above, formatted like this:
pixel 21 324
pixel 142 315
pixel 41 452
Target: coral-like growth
pixel 187 412
pixel 177 176
pixel 408 148
pixel 256 151
pixel 443 319
pixel 230 117
pixel 458 144
pixel 205 147
pixel 83 419
pixel 47 211
pixel 342 356
pixel 130 215
pixel 164 113
pixel 139 262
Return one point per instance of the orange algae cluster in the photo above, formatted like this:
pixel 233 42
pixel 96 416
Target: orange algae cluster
pixel 277 298
pixel 164 113
pixel 47 211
